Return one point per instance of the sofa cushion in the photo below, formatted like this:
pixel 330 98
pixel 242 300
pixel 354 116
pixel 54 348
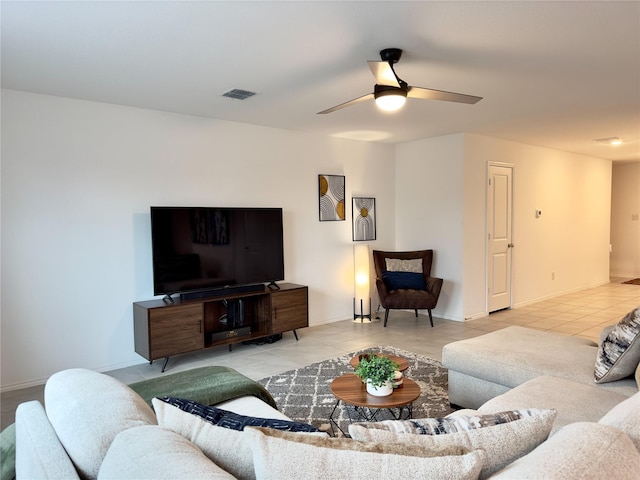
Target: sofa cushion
pixel 558 393
pixel 513 355
pixel 226 447
pixel 87 410
pixel 619 353
pixel 626 417
pixel 152 452
pixel 580 450
pixel 505 436
pixel 278 454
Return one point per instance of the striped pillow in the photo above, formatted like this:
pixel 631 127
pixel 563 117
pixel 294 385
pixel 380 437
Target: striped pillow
pixel 619 353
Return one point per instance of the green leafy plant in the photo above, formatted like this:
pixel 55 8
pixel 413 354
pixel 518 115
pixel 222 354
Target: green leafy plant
pixel 377 369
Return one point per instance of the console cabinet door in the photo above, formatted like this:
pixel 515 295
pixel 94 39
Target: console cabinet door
pixel 175 330
pixel 289 309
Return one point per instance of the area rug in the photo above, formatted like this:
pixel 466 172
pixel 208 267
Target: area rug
pixel 635 281
pixel 304 394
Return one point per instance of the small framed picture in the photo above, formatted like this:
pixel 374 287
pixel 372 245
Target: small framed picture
pixel 364 218
pixel 331 197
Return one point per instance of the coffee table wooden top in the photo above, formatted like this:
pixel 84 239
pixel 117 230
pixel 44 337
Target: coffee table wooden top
pixel 351 389
pixel 403 363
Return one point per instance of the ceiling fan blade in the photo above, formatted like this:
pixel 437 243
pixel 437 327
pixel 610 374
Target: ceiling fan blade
pixel 430 94
pixel 383 73
pixel 368 96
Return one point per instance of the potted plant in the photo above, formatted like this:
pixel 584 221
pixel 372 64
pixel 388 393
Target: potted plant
pixel 378 371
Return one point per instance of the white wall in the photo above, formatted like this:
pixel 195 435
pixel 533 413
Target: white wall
pixel 625 226
pixel 441 202
pixel 571 237
pixel 77 181
pixel 429 211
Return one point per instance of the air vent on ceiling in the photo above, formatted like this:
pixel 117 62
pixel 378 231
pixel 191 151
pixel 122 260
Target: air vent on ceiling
pixel 609 140
pixel 238 94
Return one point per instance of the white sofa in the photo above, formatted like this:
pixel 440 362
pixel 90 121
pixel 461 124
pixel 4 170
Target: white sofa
pixel 96 427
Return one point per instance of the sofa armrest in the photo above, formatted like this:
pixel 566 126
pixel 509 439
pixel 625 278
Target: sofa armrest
pixel 39 453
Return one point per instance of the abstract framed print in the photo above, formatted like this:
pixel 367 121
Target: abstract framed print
pixel 331 197
pixel 364 218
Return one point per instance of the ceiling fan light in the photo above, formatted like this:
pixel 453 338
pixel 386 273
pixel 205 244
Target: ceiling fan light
pixel 390 102
pixel 389 98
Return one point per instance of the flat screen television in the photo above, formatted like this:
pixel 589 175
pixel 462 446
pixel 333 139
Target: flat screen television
pixel 202 249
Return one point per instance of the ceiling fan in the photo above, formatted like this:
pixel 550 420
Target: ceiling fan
pixel 390 91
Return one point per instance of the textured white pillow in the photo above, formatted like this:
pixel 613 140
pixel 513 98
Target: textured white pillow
pixel 280 455
pixel 626 417
pixel 504 436
pixel 579 450
pixel 88 409
pixel 154 453
pixel 397 265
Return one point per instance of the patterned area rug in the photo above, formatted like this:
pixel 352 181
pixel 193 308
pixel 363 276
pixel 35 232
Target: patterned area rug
pixel 635 281
pixel 304 394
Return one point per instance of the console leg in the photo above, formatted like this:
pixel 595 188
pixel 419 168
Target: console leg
pixel 295 334
pixel 166 360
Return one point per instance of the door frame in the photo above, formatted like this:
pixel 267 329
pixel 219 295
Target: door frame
pixel 487 230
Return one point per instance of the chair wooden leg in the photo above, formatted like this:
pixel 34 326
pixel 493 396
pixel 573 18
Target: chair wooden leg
pixel 386 316
pixel 430 317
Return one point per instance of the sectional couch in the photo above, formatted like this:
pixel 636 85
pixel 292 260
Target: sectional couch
pixel 93 426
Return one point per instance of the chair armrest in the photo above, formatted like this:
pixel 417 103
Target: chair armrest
pixel 434 285
pixel 382 291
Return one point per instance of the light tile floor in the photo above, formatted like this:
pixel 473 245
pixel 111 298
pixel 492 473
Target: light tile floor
pixel 583 313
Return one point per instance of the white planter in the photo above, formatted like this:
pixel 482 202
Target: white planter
pixel 383 391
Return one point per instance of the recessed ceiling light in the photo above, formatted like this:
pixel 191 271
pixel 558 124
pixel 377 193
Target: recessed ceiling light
pixel 609 140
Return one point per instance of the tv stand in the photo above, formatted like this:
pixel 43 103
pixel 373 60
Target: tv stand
pixel 164 330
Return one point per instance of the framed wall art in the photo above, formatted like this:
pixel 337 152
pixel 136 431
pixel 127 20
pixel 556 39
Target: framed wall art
pixel 331 197
pixel 364 218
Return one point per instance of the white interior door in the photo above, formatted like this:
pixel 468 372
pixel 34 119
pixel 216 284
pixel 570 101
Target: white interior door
pixel 500 245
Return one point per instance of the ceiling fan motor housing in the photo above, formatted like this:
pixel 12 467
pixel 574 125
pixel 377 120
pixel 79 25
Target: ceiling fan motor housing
pixel 391 55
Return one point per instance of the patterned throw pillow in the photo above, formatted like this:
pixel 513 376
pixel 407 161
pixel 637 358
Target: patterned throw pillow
pixel 234 421
pixel 226 447
pixel 619 353
pixel 504 436
pixel 413 265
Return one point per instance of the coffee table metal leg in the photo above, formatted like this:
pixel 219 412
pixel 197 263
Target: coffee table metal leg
pixel 332 422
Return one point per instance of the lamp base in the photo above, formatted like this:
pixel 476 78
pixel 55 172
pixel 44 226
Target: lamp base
pixel 361 317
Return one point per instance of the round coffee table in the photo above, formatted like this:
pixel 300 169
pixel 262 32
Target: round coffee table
pixel 403 363
pixel 350 389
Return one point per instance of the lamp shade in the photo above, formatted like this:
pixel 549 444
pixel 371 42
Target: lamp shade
pixel 361 279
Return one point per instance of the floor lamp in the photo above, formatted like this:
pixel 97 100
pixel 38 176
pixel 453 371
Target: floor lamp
pixel 361 275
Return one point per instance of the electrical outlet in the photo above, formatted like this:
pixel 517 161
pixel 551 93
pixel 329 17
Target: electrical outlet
pixel 635 216
pixel 553 275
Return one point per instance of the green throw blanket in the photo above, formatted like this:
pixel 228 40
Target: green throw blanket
pixel 205 385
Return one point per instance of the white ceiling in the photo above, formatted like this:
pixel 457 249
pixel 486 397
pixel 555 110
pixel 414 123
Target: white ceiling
pixel 555 74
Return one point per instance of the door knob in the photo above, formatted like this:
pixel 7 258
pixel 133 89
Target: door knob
pixel 510 245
